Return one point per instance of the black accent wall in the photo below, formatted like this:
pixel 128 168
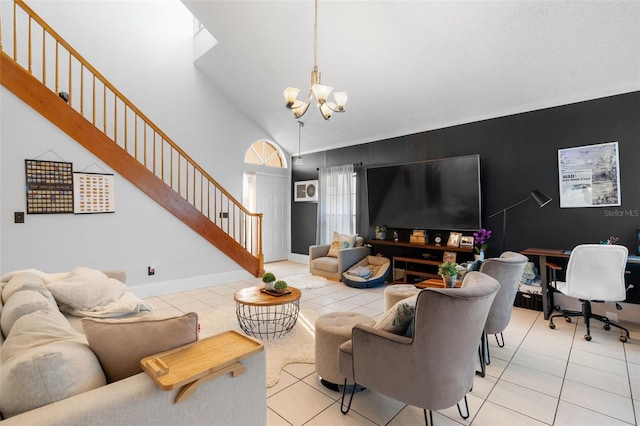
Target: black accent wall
pixel 518 153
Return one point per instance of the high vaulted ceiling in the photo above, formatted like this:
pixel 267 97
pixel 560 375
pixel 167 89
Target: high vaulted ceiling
pixel 412 66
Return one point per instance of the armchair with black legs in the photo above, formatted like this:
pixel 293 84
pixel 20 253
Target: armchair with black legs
pixel 595 273
pixel 433 369
pixel 507 270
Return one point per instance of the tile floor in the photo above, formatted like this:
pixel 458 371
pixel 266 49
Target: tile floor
pixel 540 377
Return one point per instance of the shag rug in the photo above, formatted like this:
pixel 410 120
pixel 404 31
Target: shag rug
pixel 295 347
pixel 308 281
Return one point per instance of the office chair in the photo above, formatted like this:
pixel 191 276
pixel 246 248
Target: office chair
pixel 595 273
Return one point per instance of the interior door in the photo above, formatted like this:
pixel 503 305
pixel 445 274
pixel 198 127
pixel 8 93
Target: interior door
pixel 271 201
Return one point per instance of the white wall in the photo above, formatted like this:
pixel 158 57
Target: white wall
pixel 145 49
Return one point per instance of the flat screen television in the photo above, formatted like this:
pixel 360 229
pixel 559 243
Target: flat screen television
pixel 441 194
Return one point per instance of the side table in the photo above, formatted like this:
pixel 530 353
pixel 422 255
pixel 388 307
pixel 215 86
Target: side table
pixel 267 316
pixel 435 283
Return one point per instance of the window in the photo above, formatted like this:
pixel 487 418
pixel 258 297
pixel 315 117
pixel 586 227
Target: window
pixel 337 202
pixel 264 154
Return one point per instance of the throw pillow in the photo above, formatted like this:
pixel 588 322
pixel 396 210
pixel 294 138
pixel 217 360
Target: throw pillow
pixel 397 319
pixel 121 344
pixel 340 242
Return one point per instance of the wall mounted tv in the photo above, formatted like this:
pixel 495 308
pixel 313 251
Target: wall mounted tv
pixel 441 194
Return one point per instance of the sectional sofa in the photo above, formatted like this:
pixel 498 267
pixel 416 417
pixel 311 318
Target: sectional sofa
pixel 49 373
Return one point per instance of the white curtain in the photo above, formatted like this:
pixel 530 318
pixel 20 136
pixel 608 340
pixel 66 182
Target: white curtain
pixel 336 202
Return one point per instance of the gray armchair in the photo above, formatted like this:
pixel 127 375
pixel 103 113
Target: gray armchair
pixel 435 368
pixel 507 270
pixel 333 267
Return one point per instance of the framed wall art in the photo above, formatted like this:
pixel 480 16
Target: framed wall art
pixel 93 193
pixel 589 176
pixel 49 186
pixel 306 190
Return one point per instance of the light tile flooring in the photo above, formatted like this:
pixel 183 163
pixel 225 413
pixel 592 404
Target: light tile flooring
pixel 540 377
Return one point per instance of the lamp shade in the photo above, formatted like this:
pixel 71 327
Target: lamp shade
pixel 322 92
pixel 541 198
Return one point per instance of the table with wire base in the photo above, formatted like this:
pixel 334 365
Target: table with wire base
pixel 267 316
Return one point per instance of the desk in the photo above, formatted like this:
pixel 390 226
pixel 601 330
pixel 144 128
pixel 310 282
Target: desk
pixel 543 254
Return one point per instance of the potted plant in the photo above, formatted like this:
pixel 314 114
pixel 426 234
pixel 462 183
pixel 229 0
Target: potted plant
pixel 449 272
pixel 381 232
pixel 280 286
pixel 268 279
pixel 480 243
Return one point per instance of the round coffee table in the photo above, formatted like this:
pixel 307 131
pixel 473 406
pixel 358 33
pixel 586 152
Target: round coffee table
pixel 264 315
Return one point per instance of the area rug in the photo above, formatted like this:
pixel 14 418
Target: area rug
pixel 308 281
pixel 295 347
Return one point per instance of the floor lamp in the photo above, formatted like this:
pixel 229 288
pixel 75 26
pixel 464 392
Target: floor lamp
pixel 541 198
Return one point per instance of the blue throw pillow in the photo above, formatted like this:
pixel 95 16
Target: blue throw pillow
pixel 409 331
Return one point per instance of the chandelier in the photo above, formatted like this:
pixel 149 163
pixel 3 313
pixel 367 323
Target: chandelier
pixel 320 91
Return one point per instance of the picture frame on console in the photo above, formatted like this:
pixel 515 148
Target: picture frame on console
pixel 449 256
pixel 454 239
pixel 466 241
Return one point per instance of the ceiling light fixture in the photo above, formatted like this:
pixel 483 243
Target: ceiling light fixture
pixel 321 91
pixel 298 160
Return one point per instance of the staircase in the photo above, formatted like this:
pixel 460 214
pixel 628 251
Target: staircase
pixel 107 124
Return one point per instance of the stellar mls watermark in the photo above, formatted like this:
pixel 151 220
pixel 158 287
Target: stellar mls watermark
pixel 622 213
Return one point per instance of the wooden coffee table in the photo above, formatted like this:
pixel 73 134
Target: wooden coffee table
pixel 267 316
pixel 435 283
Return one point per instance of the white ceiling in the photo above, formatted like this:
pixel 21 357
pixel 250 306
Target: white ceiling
pixel 411 66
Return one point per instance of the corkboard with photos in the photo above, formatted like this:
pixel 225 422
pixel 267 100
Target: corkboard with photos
pixel 49 186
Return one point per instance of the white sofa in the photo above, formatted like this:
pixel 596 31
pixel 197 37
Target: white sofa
pixel 77 386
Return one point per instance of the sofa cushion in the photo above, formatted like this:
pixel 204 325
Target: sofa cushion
pixel 329 264
pixel 340 242
pixel 121 344
pixel 86 288
pixel 397 319
pixel 22 303
pixel 47 373
pixel 37 329
pixel 26 281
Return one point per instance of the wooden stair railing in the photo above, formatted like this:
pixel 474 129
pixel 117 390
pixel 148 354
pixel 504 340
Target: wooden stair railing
pixel 106 123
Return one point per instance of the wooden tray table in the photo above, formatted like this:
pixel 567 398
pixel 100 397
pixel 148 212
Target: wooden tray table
pixel 197 363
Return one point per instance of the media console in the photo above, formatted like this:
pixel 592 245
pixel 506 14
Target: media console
pixel 420 261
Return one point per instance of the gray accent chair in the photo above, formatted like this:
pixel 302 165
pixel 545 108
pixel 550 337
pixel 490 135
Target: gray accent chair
pixel 333 267
pixel 433 369
pixel 507 270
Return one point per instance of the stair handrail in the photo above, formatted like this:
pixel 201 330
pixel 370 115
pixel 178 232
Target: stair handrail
pixel 256 246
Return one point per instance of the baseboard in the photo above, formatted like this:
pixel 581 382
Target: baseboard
pixel 191 283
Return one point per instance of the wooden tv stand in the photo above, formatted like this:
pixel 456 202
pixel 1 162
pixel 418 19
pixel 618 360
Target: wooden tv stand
pixel 420 260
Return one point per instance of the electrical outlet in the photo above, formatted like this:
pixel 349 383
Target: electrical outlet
pixel 151 270
pixel 18 217
pixel 612 316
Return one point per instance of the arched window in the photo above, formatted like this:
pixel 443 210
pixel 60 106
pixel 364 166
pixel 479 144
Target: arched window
pixel 263 153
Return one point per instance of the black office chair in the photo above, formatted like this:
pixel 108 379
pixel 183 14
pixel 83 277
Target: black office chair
pixel 595 273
